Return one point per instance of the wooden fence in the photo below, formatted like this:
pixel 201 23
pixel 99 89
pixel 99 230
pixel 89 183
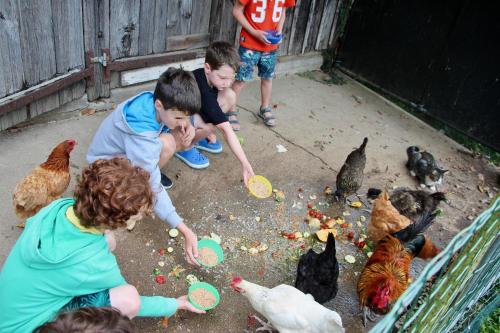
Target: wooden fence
pixel 42 41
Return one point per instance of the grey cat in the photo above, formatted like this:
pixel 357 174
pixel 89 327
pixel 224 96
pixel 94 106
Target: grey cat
pixel 424 167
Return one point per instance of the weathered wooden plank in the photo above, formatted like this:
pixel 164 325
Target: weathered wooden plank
pixel 326 24
pixel 333 33
pixel 146 27
pixel 287 30
pixel 38 52
pixel 124 26
pixel 160 27
pixel 37 41
pixel 223 25
pixel 301 17
pixel 96 37
pixel 68 38
pixel 179 17
pixel 12 118
pixel 200 18
pixel 215 20
pixel 314 25
pixel 11 72
pixel 43 105
pixel 187 42
pixel 152 73
pixel 228 23
pixel 71 93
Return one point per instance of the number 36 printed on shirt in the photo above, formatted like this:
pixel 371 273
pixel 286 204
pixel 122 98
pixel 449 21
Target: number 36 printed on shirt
pixel 260 14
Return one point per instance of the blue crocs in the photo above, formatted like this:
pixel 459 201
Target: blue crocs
pixel 193 158
pixel 214 148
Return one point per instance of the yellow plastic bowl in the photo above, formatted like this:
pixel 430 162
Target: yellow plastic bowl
pixel 262 180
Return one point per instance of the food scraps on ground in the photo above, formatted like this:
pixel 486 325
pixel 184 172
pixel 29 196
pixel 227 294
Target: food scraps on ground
pixel 323 234
pixel 356 204
pixel 156 271
pixel 161 263
pixel 190 279
pixel 170 249
pixel 161 251
pixel 232 217
pixel 306 234
pixel 253 250
pixel 328 190
pixel 350 259
pixel 176 271
pixel 362 218
pixel 257 218
pixel 279 195
pixel 160 279
pixel 173 233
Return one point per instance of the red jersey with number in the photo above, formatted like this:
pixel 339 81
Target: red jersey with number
pixel 262 15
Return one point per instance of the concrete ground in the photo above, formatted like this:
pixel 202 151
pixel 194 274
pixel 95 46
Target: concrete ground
pixel 319 125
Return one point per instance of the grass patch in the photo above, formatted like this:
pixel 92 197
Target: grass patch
pixel 491 324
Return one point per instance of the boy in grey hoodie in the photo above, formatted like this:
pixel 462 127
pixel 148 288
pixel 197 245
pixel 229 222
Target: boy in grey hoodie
pixel 148 129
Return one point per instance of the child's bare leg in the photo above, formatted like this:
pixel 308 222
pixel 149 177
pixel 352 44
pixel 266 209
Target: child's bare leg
pixel 126 299
pixel 168 150
pixel 266 87
pixel 237 87
pixel 227 102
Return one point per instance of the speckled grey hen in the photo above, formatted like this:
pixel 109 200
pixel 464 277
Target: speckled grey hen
pixel 350 176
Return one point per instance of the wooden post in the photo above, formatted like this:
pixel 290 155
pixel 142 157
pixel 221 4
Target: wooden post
pixel 96 38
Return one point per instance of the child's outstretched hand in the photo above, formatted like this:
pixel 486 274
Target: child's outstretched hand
pixel 247 174
pixel 190 244
pixel 185 305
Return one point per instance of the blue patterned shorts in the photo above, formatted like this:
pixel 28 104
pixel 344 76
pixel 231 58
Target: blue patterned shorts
pixel 265 62
pixel 96 300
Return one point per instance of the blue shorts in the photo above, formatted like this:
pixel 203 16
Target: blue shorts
pixel 96 300
pixel 265 62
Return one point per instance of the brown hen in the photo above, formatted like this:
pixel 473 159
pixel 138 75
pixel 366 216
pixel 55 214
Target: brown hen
pixel 45 183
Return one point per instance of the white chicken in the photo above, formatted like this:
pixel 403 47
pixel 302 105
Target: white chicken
pixel 288 309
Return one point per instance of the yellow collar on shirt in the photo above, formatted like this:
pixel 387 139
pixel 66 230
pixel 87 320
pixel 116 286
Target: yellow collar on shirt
pixel 71 216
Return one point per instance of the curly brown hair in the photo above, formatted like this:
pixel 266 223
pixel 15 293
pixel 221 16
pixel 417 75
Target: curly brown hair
pixel 110 191
pixel 89 320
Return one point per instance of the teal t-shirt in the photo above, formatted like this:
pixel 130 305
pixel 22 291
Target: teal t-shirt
pixel 53 261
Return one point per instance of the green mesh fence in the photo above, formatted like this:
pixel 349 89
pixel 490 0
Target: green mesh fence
pixel 458 288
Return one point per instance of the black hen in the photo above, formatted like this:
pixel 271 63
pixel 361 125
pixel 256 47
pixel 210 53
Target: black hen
pixel 317 274
pixel 350 176
pixel 411 203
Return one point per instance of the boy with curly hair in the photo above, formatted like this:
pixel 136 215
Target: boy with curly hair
pixel 63 258
pixel 89 320
pixel 148 129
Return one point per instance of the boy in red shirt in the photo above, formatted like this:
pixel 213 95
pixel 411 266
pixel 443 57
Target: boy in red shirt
pixel 257 18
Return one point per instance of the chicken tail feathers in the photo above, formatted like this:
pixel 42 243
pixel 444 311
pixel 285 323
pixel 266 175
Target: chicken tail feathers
pixel 438 196
pixel 415 228
pixel 373 193
pixel 415 245
pixel 330 245
pixel 363 145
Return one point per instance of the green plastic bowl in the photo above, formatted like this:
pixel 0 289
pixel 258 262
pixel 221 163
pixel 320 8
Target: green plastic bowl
pixel 208 287
pixel 202 243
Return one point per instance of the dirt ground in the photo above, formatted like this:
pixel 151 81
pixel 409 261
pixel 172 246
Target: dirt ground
pixel 319 125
